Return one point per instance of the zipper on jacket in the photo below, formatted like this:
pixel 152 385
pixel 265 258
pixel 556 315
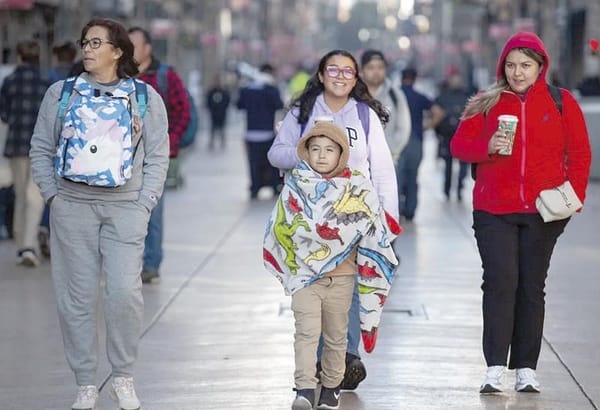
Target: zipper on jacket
pixel 523 156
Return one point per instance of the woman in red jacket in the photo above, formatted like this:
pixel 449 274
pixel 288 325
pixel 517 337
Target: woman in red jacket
pixel 514 243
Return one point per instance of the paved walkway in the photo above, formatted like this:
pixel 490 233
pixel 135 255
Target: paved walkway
pixel 219 330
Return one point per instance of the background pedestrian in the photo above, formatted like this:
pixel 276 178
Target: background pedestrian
pixel 178 112
pixel 20 98
pixel 261 100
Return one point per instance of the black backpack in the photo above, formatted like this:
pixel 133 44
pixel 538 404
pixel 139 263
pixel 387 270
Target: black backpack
pixel 556 96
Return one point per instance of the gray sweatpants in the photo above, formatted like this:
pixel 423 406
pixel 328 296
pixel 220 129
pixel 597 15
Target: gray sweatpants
pixel 87 239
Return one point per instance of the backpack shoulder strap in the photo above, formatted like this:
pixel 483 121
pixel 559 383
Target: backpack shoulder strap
pixel 364 117
pixel 393 96
pixel 65 96
pixel 161 79
pixel 141 96
pixel 556 94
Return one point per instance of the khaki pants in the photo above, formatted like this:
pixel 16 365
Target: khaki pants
pixel 29 205
pixel 322 307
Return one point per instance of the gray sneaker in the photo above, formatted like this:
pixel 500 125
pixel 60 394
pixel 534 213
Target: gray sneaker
pixel 305 399
pixel 123 392
pixel 27 257
pixel 527 381
pixel 87 398
pixel 493 380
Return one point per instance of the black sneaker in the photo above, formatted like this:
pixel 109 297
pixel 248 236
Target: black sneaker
pixel 305 399
pixel 329 398
pixel 354 374
pixel 150 276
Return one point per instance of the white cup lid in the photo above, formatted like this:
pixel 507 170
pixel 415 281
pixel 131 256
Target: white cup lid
pixel 323 118
pixel 508 117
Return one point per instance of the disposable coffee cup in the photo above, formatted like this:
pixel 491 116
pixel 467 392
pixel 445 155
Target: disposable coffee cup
pixel 508 125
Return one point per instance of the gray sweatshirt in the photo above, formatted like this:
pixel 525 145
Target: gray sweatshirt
pixel 150 162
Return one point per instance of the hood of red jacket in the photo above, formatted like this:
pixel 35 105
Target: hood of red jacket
pixel 523 39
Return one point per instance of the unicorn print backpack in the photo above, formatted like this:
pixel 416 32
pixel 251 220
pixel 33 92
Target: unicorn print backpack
pixel 96 142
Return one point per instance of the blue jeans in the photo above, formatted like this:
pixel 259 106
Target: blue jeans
pixel 406 174
pixel 153 252
pixel 354 334
pixel 46 217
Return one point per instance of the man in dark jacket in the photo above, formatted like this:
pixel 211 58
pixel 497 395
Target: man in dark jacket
pixel 178 110
pixel 217 102
pixel 410 158
pixel 20 98
pixel 452 99
pixel 261 100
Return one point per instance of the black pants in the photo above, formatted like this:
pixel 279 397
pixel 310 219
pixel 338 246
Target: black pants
pixel 262 173
pixel 462 173
pixel 515 251
pixel 217 130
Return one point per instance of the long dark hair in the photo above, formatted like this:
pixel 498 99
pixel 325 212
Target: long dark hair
pixel 306 101
pixel 117 34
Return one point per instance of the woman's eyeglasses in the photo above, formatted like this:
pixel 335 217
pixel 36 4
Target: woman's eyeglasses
pixel 334 71
pixel 94 43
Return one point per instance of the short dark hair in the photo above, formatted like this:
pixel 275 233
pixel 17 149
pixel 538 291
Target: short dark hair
pixel 66 52
pixel 117 34
pixel 29 51
pixel 145 33
pixel 409 73
pixel 369 55
pixel 266 68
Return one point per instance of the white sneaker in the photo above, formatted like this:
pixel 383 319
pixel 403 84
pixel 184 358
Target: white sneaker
pixel 527 381
pixel 87 398
pixel 27 257
pixel 493 380
pixel 123 393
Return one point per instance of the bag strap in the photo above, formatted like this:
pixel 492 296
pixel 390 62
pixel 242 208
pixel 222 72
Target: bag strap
pixel 141 96
pixel 65 96
pixel 363 116
pixel 393 96
pixel 556 94
pixel 161 79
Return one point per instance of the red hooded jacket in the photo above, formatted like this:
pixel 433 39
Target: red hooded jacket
pixel 548 148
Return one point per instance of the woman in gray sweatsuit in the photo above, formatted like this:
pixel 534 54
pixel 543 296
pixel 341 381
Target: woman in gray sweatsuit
pixel 96 229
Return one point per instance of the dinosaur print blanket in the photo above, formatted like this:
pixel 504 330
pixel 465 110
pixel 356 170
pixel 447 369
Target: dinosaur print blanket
pixel 314 226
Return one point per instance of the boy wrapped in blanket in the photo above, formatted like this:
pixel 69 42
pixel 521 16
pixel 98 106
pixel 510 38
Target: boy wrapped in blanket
pixel 326 227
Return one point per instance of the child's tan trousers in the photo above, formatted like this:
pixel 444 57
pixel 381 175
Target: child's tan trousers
pixel 322 306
